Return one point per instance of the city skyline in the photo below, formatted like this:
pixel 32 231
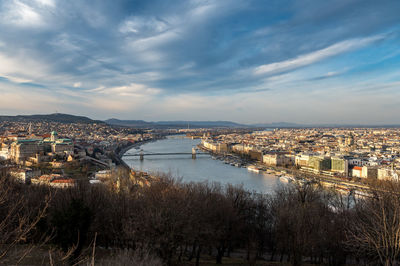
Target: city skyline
pixel 307 62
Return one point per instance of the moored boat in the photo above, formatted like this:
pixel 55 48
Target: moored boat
pixel 253 168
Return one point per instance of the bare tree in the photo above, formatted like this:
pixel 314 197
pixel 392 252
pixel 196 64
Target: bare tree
pixel 375 227
pixel 18 220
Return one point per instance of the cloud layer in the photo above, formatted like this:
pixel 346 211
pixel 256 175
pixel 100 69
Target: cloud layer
pixel 248 61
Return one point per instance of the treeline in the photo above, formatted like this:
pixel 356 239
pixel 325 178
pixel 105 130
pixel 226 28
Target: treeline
pixel 174 223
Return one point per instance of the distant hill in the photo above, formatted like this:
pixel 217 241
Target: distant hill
pixel 295 125
pixel 129 123
pixel 60 118
pixel 278 124
pixel 201 123
pixel 67 118
pixel 173 124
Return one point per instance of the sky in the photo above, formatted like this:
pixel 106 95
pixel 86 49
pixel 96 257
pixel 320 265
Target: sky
pixel 255 61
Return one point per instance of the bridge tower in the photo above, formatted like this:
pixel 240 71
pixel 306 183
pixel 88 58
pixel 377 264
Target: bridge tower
pixel 141 155
pixel 193 153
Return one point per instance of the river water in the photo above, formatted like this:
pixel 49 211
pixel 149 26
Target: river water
pixel 203 168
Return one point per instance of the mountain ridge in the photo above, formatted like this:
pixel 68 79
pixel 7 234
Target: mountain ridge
pixel 56 117
pixel 68 118
pixel 174 124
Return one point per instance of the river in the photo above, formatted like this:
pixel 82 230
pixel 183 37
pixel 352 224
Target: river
pixel 203 168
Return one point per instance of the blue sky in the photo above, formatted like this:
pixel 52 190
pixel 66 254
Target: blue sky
pixel 304 61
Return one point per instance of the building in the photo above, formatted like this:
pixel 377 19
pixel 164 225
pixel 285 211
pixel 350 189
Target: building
pixel 370 172
pixel 340 166
pixel 66 148
pixel 277 159
pixel 358 161
pixel 24 150
pixel 24 175
pixel 53 136
pixel 272 159
pixel 256 155
pixel 214 146
pixel 387 174
pixel 4 152
pixel 104 174
pixel 320 163
pixel 301 160
pixel 357 171
pixel 21 150
pixel 45 179
pixel 239 148
pixel 62 183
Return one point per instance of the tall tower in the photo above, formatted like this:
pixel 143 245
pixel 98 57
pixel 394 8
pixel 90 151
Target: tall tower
pixel 193 153
pixel 53 136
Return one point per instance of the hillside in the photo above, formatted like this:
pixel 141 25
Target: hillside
pixel 173 124
pixel 60 118
pixel 129 123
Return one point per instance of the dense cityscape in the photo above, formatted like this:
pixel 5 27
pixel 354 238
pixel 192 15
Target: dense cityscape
pixel 359 152
pixel 349 153
pixel 199 132
pixel 341 167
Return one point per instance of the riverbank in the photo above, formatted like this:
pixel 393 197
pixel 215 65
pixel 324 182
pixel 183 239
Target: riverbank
pixel 202 169
pixel 144 177
pixel 136 145
pixel 251 165
pixel 287 175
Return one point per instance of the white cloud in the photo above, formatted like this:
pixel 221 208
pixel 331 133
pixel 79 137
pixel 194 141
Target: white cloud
pixel 77 84
pixel 143 25
pixel 202 10
pixel 148 36
pixel 95 18
pixel 25 68
pixel 131 90
pixel 313 57
pixel 22 100
pixel 187 66
pixel 49 3
pixel 21 67
pixel 147 50
pixel 64 42
pixel 21 14
pixel 154 41
pixel 121 99
pixel 17 79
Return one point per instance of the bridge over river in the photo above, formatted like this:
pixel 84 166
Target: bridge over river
pixel 141 154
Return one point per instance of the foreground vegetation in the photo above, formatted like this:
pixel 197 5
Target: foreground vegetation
pixel 173 223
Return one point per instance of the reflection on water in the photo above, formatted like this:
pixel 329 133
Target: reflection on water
pixel 203 168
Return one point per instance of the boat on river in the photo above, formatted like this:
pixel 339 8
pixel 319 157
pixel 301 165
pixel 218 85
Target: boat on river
pixel 286 178
pixel 253 168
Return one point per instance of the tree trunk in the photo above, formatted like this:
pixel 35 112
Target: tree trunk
pixel 198 256
pixel 272 255
pixel 229 249
pixel 180 254
pixel 193 251
pixel 296 258
pixel 220 253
